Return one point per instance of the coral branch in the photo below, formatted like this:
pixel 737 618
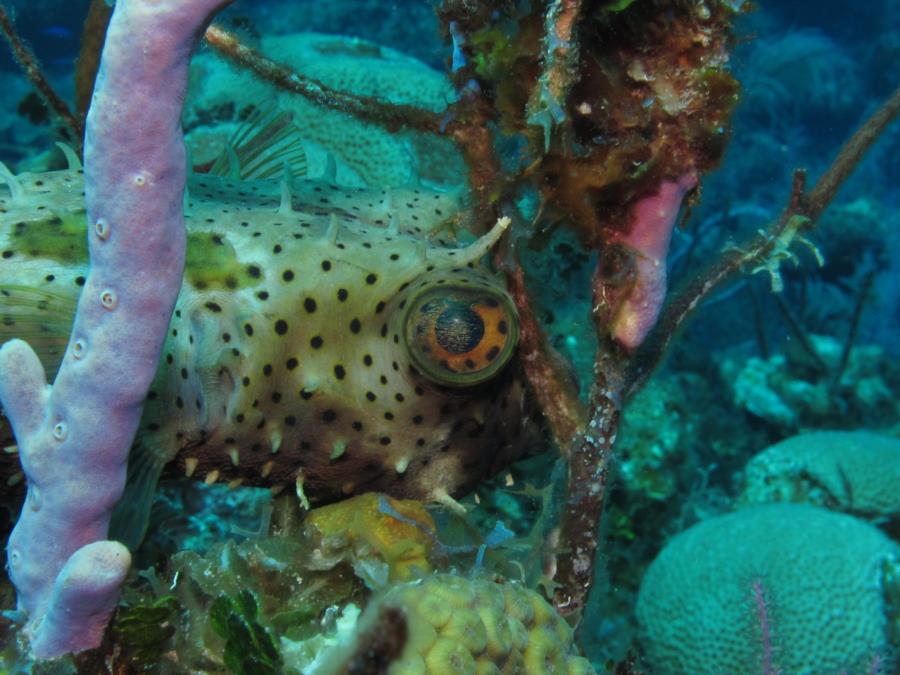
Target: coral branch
pixel 556 397
pixel 546 106
pixel 589 463
pixel 74 437
pixel 391 116
pixel 618 376
pixel 849 156
pixel 765 251
pixel 88 62
pixel 38 80
pixel 799 333
pixel 862 294
pixel 465 121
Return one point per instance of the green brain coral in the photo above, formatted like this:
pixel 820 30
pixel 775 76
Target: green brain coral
pixel 366 154
pixel 781 588
pixel 855 472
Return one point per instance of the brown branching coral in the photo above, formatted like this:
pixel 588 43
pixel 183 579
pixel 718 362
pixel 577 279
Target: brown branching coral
pixel 652 102
pixel 73 125
pixel 767 250
pixel 624 106
pixel 93 35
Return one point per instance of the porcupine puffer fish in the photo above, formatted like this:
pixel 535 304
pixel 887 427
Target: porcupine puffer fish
pixel 324 337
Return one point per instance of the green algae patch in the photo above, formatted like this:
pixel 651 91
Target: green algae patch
pixel 212 263
pixel 143 631
pixel 58 237
pixel 249 648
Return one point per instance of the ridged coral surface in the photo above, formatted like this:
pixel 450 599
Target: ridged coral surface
pixel 852 471
pixel 782 588
pixel 373 155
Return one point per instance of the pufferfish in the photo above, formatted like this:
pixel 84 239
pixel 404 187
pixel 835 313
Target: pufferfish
pixel 329 339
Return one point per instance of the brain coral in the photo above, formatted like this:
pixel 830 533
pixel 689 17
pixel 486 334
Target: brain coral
pixel 779 588
pixel 365 152
pixel 853 471
pixel 466 626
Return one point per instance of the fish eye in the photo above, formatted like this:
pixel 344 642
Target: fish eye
pixel 460 336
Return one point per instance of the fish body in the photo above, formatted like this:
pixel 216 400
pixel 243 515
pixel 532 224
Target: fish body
pixel 324 337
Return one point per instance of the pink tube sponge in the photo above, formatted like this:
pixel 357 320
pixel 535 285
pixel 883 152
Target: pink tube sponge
pixel 652 220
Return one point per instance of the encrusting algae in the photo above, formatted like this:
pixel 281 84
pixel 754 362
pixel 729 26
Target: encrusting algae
pixel 364 525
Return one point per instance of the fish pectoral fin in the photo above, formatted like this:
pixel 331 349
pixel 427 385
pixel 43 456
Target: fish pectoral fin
pixel 132 514
pixel 40 317
pixel 262 147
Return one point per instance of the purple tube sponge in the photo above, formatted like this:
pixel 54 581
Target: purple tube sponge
pixel 74 436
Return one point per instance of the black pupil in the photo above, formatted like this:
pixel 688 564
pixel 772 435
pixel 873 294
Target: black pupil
pixel 458 329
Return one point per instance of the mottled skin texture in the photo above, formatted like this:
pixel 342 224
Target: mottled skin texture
pixel 286 358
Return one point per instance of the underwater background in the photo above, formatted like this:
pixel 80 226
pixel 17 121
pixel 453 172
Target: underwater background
pixel 751 521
